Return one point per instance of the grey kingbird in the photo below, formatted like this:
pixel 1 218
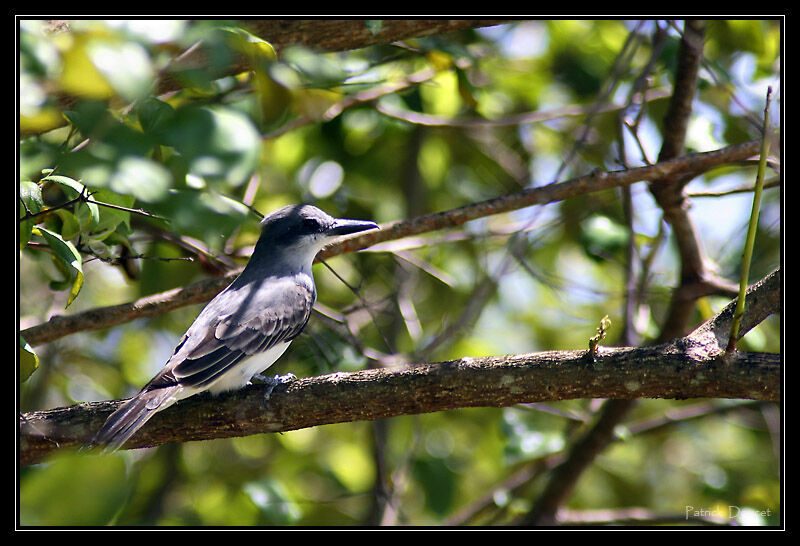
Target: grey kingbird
pixel 247 326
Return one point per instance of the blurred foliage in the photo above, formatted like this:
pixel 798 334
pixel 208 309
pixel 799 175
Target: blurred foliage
pixel 183 169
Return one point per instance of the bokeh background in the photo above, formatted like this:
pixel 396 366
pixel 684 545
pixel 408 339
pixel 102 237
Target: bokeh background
pixel 197 124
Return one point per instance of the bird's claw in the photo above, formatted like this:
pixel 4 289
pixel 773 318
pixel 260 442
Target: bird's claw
pixel 272 382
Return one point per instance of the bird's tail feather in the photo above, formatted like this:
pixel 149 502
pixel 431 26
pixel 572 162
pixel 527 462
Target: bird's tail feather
pixel 132 415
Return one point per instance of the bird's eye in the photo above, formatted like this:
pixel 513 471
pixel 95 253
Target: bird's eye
pixel 310 224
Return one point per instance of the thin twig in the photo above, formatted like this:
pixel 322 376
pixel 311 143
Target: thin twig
pixel 85 197
pixel 140 212
pixel 430 120
pixel 29 215
pixel 771 183
pixel 364 303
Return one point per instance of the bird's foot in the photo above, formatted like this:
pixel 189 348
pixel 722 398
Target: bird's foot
pixel 272 382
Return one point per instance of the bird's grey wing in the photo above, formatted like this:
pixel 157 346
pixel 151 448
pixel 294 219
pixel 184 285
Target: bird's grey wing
pixel 241 321
pixel 247 318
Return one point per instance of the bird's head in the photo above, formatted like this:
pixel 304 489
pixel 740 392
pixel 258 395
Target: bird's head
pixel 300 231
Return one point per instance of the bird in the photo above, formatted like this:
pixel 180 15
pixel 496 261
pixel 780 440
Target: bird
pixel 246 327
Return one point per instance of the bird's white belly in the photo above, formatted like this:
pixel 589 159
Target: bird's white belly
pixel 241 374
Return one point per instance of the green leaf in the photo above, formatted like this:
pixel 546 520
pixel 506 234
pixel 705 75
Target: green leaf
pixel 89 215
pixel 438 483
pixel 72 187
pixel 154 115
pixel 142 178
pixel 70 226
pixel 320 71
pixel 30 194
pixel 68 258
pixel 84 216
pixel 220 214
pixel 110 218
pixel 602 237
pixel 219 144
pixel 257 49
pixel 125 66
pixel 28 360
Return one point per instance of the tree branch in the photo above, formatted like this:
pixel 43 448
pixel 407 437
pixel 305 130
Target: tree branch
pixel 691 367
pixel 695 278
pixel 344 34
pixel 59 326
pixel 668 191
pixel 710 338
pixel 676 120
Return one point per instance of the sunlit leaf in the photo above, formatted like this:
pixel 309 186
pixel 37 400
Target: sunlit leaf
pixel 125 66
pixel 40 120
pixel 142 178
pixel 66 182
pixel 67 256
pixel 28 360
pixel 79 75
pixel 257 49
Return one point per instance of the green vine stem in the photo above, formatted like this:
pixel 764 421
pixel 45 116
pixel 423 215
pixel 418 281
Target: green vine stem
pixel 751 230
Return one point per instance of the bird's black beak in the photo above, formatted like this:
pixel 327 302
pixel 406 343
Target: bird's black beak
pixel 343 226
